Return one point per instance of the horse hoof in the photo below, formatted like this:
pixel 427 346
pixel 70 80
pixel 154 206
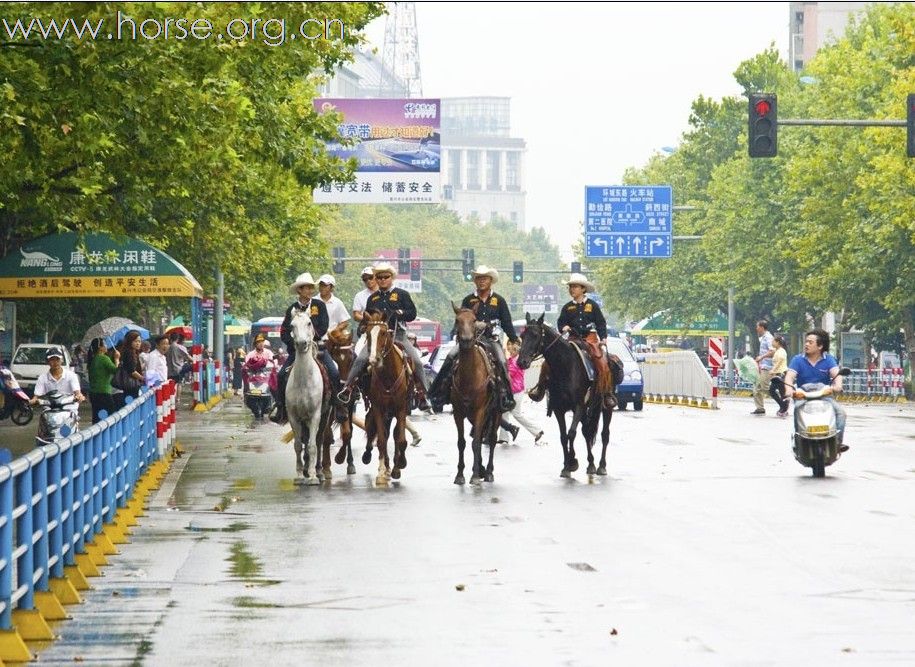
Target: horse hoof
pixel 381 480
pixel 602 470
pixel 400 461
pixel 566 473
pixel 350 469
pixel 395 474
pixel 367 457
pixel 340 457
pixel 299 468
pixel 298 481
pixel 488 477
pixel 476 480
pixel 312 481
pixel 591 469
pixel 573 466
pixel 328 475
pixel 459 479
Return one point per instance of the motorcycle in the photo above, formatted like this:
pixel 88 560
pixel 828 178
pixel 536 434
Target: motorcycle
pixel 258 394
pixel 15 401
pixel 815 438
pixel 57 420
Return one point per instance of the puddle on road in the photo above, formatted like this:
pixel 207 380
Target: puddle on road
pixel 244 484
pixel 247 602
pixel 244 564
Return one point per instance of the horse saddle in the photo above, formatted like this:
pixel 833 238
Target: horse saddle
pixel 405 358
pixel 586 361
pixel 325 378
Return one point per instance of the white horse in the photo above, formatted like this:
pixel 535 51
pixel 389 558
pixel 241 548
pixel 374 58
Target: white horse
pixel 305 402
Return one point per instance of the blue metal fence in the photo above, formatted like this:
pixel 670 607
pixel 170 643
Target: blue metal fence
pixel 58 497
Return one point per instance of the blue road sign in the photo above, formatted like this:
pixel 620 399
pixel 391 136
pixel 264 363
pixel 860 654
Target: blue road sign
pixel 628 221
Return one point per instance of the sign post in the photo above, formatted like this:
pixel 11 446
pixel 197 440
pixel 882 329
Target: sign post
pixel 628 221
pixel 715 362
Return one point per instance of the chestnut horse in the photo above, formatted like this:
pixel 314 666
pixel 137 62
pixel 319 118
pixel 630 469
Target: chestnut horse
pixel 389 388
pixel 340 347
pixel 570 390
pixel 473 395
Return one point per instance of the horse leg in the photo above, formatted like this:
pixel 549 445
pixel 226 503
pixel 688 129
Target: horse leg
pixel 382 441
pixel 326 443
pixel 311 476
pixel 400 444
pixel 491 435
pixel 605 440
pixel 459 424
pixel 371 432
pixel 477 445
pixel 573 431
pixel 297 447
pixel 589 431
pixel 346 432
pixel 564 441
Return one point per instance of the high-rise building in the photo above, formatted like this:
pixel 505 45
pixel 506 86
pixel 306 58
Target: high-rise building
pixel 813 24
pixel 482 164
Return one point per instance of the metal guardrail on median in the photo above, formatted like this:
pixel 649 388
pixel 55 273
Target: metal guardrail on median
pixel 885 384
pixel 677 377
pixel 56 500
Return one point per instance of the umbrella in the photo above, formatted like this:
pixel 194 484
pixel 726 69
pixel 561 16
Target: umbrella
pixel 113 330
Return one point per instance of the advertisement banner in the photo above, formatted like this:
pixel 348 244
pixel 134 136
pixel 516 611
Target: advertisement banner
pixel 397 145
pixel 541 299
pixel 853 350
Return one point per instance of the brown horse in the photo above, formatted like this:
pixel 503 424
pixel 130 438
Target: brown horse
pixel 389 388
pixel 340 347
pixel 474 396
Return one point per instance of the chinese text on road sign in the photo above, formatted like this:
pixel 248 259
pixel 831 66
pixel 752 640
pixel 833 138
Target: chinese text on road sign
pixel 628 221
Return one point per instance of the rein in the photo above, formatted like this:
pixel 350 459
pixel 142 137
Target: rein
pixel 385 351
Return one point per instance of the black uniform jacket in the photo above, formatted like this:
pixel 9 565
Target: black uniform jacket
pixel 580 315
pixel 319 320
pixel 391 301
pixel 493 308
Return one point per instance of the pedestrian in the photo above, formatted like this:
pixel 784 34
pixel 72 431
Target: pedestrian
pixel 145 349
pixel 156 362
pixel 238 366
pixel 129 377
pixel 764 361
pixel 779 368
pixel 516 374
pixel 336 310
pixel 101 371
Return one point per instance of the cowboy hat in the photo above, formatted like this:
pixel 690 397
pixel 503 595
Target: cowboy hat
pixel 327 279
pixel 302 279
pixel 483 270
pixel 384 267
pixel 579 279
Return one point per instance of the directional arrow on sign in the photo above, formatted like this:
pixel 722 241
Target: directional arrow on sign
pixel 604 243
pixel 655 244
pixel 637 242
pixel 619 245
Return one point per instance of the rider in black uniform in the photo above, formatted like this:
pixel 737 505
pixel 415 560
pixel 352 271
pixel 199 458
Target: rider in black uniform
pixel 398 307
pixel 489 307
pixel 304 287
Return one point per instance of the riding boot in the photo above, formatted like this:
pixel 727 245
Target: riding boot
pixel 438 392
pixel 422 404
pixel 506 399
pixel 539 391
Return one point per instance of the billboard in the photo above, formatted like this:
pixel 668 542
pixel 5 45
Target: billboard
pixel 397 145
pixel 541 299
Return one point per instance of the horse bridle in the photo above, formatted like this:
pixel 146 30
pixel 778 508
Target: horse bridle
pixel 540 344
pixel 386 349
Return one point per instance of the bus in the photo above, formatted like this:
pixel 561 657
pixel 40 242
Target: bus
pixel 270 327
pixel 428 333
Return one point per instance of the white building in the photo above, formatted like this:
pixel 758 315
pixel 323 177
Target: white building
pixel 813 24
pixel 482 165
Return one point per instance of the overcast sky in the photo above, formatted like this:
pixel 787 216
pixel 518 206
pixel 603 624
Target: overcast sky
pixel 595 88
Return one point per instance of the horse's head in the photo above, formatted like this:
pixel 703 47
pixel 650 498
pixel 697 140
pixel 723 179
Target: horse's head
pixel 378 337
pixel 303 331
pixel 531 341
pixel 465 324
pixel 340 346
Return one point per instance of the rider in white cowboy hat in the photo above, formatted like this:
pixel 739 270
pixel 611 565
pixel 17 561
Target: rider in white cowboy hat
pixel 303 287
pixel 398 307
pixel 489 306
pixel 582 317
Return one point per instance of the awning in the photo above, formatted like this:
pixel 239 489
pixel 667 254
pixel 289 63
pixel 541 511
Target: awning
pixel 664 323
pixel 92 265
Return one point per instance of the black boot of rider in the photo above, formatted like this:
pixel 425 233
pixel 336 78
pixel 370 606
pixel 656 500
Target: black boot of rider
pixel 506 400
pixel 278 416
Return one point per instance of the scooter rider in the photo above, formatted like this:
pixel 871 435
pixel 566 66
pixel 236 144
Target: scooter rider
pixel 814 366
pixel 398 307
pixel 489 306
pixel 304 287
pixel 58 378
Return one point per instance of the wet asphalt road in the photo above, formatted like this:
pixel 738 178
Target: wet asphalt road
pixel 706 545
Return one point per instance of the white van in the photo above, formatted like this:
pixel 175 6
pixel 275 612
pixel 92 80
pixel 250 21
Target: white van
pixel 30 361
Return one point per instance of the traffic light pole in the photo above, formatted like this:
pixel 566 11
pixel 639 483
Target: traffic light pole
pixel 820 122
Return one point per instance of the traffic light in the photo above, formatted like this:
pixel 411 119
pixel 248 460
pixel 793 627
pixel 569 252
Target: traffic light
pixel 576 267
pixel 518 272
pixel 415 270
pixel 403 260
pixel 763 136
pixel 910 125
pixel 468 262
pixel 339 259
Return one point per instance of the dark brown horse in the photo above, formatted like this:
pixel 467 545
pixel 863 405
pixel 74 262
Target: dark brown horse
pixel 474 396
pixel 339 345
pixel 570 390
pixel 389 387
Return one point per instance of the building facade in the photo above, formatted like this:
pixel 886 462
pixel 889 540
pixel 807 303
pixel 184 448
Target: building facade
pixel 813 24
pixel 482 164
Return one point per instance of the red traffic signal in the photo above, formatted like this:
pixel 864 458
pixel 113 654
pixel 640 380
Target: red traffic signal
pixel 762 140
